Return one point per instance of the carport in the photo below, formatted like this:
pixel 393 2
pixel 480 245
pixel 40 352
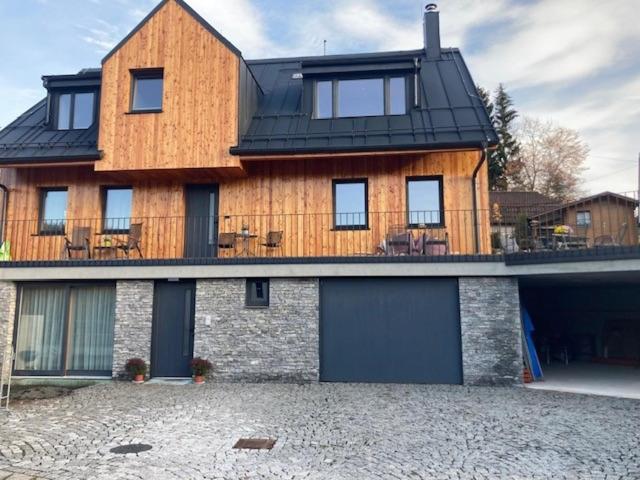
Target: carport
pixel 587 331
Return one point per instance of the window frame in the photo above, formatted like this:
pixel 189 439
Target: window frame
pixel 72 107
pixel 104 190
pixel 340 181
pixel 418 178
pixel 249 301
pixel 68 286
pixel 42 191
pixel 583 225
pixel 145 73
pixel 386 95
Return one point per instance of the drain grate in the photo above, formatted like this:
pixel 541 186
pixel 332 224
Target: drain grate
pixel 255 443
pixel 131 448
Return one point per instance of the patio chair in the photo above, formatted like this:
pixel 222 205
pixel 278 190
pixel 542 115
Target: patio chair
pixel 79 242
pixel 272 242
pixel 437 246
pixel 227 241
pixel 399 241
pixel 133 240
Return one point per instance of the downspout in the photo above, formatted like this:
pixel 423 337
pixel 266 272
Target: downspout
pixel 3 213
pixel 474 200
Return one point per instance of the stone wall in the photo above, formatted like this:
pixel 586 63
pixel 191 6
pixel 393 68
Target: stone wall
pixel 278 343
pixel 7 321
pixel 491 334
pixel 134 318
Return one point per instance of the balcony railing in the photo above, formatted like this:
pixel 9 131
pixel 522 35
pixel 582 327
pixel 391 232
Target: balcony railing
pixel 447 235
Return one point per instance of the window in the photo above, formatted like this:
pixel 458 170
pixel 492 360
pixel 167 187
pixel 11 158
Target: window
pixel 257 294
pixel 75 111
pixel 424 201
pixel 350 204
pixel 117 209
pixel 147 90
pixel 583 218
pixel 65 329
pixel 53 211
pixel 361 97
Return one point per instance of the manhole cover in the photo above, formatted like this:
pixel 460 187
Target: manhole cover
pixel 131 448
pixel 255 443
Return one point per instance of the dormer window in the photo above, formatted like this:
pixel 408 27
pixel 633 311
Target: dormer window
pixel 146 95
pixel 360 97
pixel 75 111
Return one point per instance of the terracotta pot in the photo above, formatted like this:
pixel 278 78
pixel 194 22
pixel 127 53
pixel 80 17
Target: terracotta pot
pixel 198 379
pixel 138 379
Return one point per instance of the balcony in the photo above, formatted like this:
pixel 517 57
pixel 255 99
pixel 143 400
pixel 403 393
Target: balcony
pixel 451 236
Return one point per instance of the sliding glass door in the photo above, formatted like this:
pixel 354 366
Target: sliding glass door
pixel 65 329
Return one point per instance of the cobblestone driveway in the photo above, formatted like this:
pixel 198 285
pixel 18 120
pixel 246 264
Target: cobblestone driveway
pixel 324 432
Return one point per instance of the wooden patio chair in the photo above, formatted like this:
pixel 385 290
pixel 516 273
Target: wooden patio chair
pixel 133 240
pixel 227 241
pixel 79 242
pixel 273 242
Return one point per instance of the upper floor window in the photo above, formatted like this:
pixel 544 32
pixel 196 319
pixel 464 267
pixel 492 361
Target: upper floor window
pixel 117 209
pixel 75 111
pixel 424 201
pixel 583 218
pixel 147 90
pixel 350 204
pixel 362 97
pixel 53 211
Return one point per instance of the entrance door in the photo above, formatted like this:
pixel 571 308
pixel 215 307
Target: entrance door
pixel 173 326
pixel 201 224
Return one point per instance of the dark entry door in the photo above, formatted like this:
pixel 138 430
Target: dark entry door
pixel 173 326
pixel 393 330
pixel 201 224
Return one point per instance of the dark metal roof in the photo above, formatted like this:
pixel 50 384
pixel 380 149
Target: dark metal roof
pixel 27 139
pixel 451 113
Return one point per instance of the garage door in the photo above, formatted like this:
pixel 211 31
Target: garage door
pixel 395 330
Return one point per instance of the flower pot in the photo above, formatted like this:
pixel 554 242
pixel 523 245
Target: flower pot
pixel 138 379
pixel 198 379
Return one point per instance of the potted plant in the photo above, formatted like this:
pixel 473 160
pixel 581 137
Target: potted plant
pixel 200 368
pixel 137 368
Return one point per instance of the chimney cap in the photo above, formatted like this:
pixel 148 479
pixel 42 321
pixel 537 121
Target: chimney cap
pixel 431 7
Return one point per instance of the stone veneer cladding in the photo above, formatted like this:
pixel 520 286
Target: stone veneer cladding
pixel 491 332
pixel 134 314
pixel 259 344
pixel 8 293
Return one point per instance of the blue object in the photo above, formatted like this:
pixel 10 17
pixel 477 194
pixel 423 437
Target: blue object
pixel 527 325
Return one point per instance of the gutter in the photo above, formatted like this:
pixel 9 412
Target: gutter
pixel 483 158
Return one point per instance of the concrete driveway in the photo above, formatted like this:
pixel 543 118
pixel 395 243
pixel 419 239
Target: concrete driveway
pixel 326 431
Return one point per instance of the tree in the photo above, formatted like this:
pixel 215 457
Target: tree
pixel 502 115
pixel 549 161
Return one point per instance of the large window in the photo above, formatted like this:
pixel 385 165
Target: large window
pixel 350 205
pixel 583 218
pixel 65 330
pixel 75 111
pixel 117 209
pixel 147 90
pixel 53 211
pixel 424 202
pixel 362 97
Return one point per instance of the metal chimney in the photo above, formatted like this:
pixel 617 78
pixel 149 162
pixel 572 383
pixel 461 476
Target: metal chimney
pixel 432 31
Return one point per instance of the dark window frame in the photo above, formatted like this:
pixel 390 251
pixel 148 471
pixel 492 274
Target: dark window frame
pixel 335 100
pixel 73 92
pixel 50 232
pixel 418 178
pixel 339 181
pixel 587 224
pixel 65 340
pixel 103 193
pixel 145 73
pixel 249 300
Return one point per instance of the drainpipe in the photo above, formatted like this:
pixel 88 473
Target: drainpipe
pixel 483 158
pixel 3 213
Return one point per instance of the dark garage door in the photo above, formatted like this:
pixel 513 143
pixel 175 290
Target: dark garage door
pixel 395 330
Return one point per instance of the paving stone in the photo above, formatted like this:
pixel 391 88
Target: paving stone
pixel 323 431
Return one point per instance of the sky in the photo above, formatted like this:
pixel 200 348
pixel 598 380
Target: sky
pixel 575 62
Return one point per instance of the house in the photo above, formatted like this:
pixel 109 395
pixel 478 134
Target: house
pixel 299 219
pixel 603 219
pixel 507 207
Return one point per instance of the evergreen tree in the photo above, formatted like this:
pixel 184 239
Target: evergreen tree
pixel 507 149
